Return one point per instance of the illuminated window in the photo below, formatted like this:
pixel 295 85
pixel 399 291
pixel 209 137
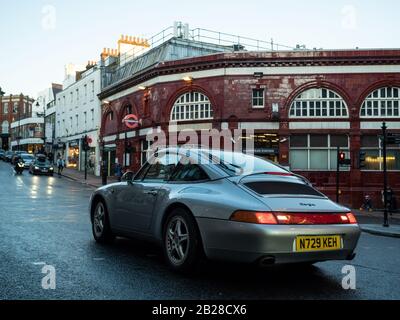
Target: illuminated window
pixel 318 103
pixel 192 106
pixel 383 102
pixel 372 146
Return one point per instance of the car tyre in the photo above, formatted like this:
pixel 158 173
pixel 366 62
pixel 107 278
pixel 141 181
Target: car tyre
pixel 101 229
pixel 181 241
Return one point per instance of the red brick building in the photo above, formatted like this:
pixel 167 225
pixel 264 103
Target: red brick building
pixel 12 108
pixel 301 104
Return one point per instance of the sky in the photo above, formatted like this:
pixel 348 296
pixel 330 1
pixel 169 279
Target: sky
pixel 39 37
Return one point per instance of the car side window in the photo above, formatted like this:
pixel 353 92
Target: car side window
pixel 189 173
pixel 161 168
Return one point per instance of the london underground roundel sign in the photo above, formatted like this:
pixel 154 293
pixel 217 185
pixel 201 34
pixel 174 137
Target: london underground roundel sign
pixel 131 121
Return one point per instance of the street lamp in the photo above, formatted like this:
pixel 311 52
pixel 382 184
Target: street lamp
pixel 42 115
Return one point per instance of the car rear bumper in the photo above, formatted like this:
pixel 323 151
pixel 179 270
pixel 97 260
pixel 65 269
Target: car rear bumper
pixel 244 242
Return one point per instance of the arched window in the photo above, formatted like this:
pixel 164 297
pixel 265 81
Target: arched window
pixel 5 127
pixel 110 116
pixel 383 102
pixel 127 110
pixel 192 106
pixel 318 103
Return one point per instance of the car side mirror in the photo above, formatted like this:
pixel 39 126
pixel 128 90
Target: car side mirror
pixel 128 176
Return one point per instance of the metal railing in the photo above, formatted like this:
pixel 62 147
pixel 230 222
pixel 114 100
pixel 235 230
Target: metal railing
pixel 204 42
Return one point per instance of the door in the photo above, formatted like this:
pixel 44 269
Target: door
pixel 136 199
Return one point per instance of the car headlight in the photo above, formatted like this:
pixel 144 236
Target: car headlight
pixel 51 168
pixel 36 168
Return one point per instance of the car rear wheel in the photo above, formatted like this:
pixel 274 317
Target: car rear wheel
pixel 182 243
pixel 100 224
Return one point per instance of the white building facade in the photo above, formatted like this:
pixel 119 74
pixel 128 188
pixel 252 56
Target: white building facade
pixel 78 114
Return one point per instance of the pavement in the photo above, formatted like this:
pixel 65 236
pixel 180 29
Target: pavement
pixel 92 180
pixel 45 222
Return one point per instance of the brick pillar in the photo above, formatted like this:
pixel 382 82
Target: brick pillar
pixel 284 146
pixel 355 175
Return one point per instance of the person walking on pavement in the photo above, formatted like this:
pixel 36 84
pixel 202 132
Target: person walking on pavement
pixel 60 166
pixel 118 171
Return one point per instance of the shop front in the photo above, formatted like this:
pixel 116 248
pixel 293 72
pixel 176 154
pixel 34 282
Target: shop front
pixel 73 154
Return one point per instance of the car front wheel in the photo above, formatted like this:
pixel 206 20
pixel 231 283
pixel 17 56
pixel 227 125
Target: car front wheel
pixel 100 224
pixel 182 244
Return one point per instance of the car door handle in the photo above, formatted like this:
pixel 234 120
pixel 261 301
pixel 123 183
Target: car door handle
pixel 152 192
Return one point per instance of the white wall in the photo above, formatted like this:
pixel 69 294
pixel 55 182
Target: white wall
pixel 78 110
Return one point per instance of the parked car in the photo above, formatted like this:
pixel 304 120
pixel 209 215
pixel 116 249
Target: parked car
pixel 41 166
pixel 28 159
pixel 236 207
pixel 8 156
pixel 2 154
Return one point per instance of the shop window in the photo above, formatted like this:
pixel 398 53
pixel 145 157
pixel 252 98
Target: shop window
pixel 318 103
pixel 192 106
pixel 383 102
pixel 372 146
pixel 317 152
pixel 258 98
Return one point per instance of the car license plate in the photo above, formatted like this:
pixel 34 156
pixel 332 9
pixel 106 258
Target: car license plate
pixel 44 170
pixel 318 243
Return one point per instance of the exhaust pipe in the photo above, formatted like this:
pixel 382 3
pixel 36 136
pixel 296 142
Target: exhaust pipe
pixel 266 261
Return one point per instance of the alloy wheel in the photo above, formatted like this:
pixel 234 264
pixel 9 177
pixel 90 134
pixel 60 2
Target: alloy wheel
pixel 177 240
pixel 99 219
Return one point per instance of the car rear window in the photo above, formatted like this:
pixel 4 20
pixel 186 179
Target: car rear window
pixel 284 188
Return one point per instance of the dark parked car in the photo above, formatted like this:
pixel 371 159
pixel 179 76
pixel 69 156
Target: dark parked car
pixel 8 156
pixel 2 154
pixel 41 166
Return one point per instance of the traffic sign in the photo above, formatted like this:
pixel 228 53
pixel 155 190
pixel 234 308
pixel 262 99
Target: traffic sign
pixel 131 121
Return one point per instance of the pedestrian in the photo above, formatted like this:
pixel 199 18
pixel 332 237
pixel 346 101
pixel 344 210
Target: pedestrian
pixel 118 171
pixel 367 204
pixel 60 166
pixel 51 157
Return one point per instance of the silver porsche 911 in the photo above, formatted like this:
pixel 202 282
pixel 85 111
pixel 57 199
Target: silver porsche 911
pixel 224 205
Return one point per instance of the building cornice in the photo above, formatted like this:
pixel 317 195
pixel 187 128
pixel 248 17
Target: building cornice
pixel 257 60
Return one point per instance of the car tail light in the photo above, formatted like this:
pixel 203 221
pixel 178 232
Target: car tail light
pixel 254 217
pixel 352 218
pixel 284 218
